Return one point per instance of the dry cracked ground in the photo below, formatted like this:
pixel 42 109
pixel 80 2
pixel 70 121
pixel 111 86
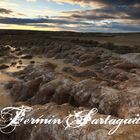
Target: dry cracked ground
pixel 59 77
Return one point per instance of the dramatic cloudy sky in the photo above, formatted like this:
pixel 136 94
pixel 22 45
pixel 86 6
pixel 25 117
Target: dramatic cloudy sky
pixel 71 15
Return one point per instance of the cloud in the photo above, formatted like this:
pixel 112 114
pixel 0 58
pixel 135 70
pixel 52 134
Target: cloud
pixel 79 2
pixel 5 11
pixel 72 25
pixel 117 2
pixel 21 21
pixel 27 21
pixel 113 12
pixel 95 3
pixel 9 13
pixel 31 0
pixel 8 3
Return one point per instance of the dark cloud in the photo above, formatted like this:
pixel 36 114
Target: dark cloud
pixel 21 21
pixel 106 2
pixel 5 11
pixel 109 27
pixel 114 12
pixel 27 21
pixel 118 2
pixel 124 27
pixel 10 12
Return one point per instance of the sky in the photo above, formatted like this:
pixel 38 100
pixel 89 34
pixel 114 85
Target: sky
pixel 71 15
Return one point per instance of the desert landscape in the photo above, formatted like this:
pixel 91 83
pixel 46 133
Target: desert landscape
pixel 56 73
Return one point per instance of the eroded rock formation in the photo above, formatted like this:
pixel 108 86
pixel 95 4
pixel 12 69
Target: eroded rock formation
pixel 76 78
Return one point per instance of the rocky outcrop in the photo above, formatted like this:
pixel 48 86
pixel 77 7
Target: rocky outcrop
pixel 105 83
pixel 76 78
pixel 46 70
pixel 59 131
pixel 25 91
pixel 85 73
pixel 54 91
pixel 132 57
